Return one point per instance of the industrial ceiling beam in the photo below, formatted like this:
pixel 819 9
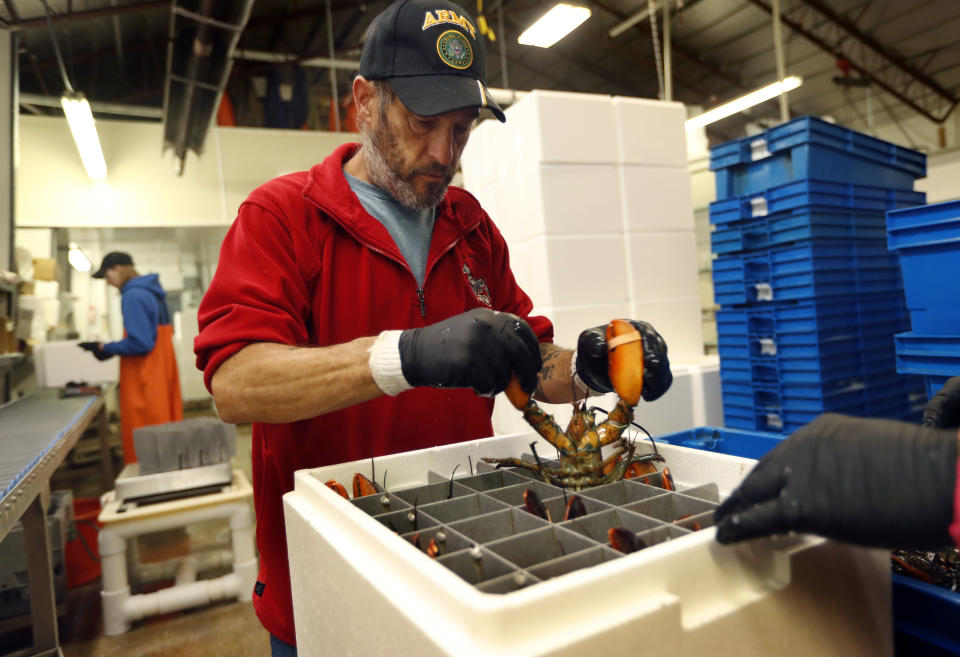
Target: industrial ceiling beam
pixel 873 61
pixel 89 14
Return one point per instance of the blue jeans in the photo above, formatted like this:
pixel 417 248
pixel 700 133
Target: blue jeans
pixel 280 648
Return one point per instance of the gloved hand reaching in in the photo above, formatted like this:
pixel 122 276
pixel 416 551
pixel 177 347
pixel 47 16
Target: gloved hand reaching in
pixel 592 365
pixel 878 483
pixel 943 409
pixel 480 349
pixel 95 348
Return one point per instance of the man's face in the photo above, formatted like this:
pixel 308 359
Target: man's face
pixel 113 276
pixel 414 157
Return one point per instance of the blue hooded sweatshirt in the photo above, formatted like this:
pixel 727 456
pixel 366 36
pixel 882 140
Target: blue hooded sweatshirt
pixel 144 306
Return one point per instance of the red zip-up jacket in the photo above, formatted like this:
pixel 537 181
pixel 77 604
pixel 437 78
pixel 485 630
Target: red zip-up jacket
pixel 304 264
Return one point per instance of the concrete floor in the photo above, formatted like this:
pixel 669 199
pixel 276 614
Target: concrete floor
pixel 228 628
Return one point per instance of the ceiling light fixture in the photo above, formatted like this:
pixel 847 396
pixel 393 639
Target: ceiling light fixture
pixel 79 116
pixel 554 25
pixel 77 258
pixel 738 105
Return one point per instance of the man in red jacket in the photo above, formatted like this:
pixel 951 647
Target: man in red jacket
pixel 364 307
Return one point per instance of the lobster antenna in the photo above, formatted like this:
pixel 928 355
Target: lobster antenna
pixel 470 463
pixel 450 494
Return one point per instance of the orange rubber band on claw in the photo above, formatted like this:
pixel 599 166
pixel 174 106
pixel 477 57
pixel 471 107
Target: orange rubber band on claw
pixel 626 338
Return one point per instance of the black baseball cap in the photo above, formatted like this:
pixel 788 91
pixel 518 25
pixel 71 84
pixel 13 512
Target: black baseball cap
pixel 432 54
pixel 113 259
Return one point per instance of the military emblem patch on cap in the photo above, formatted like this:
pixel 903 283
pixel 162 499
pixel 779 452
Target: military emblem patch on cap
pixel 454 49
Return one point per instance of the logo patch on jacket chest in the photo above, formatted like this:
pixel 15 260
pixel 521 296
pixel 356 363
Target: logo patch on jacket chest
pixel 479 287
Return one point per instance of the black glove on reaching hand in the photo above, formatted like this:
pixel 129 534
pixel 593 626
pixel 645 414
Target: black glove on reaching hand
pixel 478 349
pixel 943 409
pixel 95 349
pixel 593 367
pixel 879 483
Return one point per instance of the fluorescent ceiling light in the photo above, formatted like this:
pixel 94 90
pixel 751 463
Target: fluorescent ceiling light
pixel 554 25
pixel 84 132
pixel 737 105
pixel 78 259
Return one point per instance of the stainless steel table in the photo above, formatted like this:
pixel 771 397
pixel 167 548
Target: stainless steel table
pixel 36 433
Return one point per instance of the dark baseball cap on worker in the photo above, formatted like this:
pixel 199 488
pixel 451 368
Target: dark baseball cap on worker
pixel 112 259
pixel 433 56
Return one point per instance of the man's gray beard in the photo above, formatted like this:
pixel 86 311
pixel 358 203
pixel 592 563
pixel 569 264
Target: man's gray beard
pixel 384 175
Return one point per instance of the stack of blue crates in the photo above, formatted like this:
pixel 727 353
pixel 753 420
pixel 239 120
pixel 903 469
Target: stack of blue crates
pixel 927 240
pixel 810 295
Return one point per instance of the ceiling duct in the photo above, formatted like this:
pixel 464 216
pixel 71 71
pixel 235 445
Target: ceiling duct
pixel 203 36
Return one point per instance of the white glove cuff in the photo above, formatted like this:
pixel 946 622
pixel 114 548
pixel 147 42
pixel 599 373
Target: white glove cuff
pixel 385 363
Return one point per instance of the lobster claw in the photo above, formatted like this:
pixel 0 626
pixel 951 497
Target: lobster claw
pixel 625 360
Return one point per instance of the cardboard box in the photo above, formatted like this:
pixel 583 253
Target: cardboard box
pixel 46 269
pixel 27 287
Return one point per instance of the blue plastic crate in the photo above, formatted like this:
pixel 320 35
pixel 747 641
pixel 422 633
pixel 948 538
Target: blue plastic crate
pixel 798 225
pixel 746 444
pixel 813 195
pixel 808 147
pixel 929 615
pixel 815 321
pixel 928 354
pixel 805 271
pixel 928 242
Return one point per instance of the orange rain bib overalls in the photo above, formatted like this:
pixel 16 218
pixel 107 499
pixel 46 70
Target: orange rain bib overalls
pixel 149 388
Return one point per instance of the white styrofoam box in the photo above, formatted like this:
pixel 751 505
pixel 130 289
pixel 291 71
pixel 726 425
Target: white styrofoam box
pixel 651 131
pixel 656 198
pixel 478 162
pixel 679 321
pixel 519 206
pixel 185 329
pixel 664 265
pixel 587 269
pixel 56 363
pixel 46 312
pixel 687 596
pixel 560 199
pixel 562 127
pixel 580 198
pixel 528 261
pixel 571 271
pixel 46 289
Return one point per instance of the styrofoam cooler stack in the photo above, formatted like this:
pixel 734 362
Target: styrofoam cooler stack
pixel 508 583
pixel 811 296
pixel 599 221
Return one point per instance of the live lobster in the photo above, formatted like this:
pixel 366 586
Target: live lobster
pixel 581 464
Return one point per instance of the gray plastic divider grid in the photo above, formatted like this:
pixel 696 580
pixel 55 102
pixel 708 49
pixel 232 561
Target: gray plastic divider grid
pixel 483 533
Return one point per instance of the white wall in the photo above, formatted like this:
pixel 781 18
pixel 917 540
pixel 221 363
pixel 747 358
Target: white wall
pixel 141 188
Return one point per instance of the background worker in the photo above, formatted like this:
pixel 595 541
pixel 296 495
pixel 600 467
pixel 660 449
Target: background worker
pixel 364 308
pixel 879 483
pixel 149 381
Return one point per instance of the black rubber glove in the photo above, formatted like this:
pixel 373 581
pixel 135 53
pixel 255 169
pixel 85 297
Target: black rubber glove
pixel 478 349
pixel 943 409
pixel 879 483
pixel 593 367
pixel 95 349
